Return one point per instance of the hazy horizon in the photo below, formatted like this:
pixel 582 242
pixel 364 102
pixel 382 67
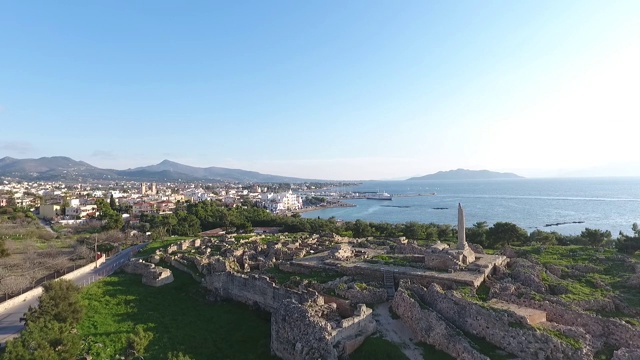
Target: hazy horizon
pixel 355 90
pixel 575 175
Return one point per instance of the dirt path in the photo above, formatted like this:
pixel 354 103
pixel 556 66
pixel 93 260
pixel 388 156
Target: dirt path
pixel 396 331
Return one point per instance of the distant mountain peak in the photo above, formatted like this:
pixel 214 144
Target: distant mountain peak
pixel 65 168
pixel 465 174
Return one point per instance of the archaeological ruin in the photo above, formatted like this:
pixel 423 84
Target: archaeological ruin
pixel 447 295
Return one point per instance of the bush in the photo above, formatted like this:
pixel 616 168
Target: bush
pixel 138 341
pixel 59 303
pixel 177 356
pixel 4 252
pixel 361 286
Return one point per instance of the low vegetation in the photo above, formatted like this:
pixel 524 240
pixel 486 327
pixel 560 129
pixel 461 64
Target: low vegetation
pixel 377 348
pixel 31 254
pixel 160 244
pixel 283 277
pixel 574 343
pixel 430 352
pixel 178 316
pixel 608 272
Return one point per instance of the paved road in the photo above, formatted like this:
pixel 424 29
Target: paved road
pixel 10 324
pixel 46 226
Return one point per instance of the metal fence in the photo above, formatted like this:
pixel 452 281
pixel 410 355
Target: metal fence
pixel 102 271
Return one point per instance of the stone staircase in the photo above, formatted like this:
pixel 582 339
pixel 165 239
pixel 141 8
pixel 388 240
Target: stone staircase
pixel 389 284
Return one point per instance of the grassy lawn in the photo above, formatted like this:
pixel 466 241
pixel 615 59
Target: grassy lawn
pixel 161 244
pixel 377 348
pixel 178 316
pixel 429 352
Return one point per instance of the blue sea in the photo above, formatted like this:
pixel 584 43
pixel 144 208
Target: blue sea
pixel 603 203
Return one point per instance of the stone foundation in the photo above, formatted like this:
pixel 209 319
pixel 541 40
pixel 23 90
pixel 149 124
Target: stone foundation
pixel 431 328
pixel 301 332
pixel 151 275
pixel 254 290
pixel 603 331
pixel 532 316
pixel 504 328
pixel 302 325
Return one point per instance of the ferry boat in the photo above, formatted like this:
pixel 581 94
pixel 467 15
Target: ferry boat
pixel 379 196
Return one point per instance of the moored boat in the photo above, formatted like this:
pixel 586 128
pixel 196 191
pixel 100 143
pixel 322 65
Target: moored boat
pixel 379 196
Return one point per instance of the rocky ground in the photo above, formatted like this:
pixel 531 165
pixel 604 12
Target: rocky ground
pixel 396 331
pixel 591 296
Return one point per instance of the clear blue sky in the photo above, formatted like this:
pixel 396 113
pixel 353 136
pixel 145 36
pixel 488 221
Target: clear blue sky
pixel 325 89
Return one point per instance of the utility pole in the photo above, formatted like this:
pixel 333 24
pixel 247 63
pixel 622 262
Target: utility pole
pixel 95 249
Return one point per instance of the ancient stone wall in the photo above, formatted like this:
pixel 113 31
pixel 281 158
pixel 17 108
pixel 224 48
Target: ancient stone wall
pixel 370 295
pixel 298 332
pixel 503 328
pixel 352 331
pixel 253 290
pixel 180 265
pixel 410 248
pixel 151 275
pixel 439 261
pixel 297 335
pixel 294 268
pixel 342 306
pixel 626 354
pixel 604 331
pixel 431 328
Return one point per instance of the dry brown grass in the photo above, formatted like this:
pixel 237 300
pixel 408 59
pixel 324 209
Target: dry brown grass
pixel 35 253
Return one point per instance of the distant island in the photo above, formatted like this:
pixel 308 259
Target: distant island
pixel 464 174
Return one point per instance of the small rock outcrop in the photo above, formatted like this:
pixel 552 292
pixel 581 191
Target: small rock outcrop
pixel 626 354
pixel 341 252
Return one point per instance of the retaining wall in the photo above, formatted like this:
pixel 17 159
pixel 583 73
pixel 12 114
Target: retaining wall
pixel 35 292
pixel 604 331
pixel 431 328
pixel 254 290
pixel 297 333
pixel 504 328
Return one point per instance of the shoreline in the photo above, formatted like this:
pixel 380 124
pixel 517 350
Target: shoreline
pixel 317 208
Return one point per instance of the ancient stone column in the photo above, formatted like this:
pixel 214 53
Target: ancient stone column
pixel 462 238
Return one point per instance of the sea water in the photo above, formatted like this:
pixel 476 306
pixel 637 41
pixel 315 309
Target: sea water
pixel 603 203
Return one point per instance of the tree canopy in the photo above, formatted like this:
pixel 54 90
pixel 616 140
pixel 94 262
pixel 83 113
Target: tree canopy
pixel 50 328
pixel 60 302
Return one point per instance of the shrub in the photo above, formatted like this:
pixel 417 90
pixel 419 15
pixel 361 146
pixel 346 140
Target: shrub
pixel 361 286
pixel 138 341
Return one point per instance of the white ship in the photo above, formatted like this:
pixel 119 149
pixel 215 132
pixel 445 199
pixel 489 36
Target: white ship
pixel 379 196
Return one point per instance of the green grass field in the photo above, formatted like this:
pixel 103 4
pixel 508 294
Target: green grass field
pixel 377 348
pixel 179 317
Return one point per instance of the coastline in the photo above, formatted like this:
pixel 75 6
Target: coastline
pixel 329 206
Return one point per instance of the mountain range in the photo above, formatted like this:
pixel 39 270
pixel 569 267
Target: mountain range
pixel 464 174
pixel 66 169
